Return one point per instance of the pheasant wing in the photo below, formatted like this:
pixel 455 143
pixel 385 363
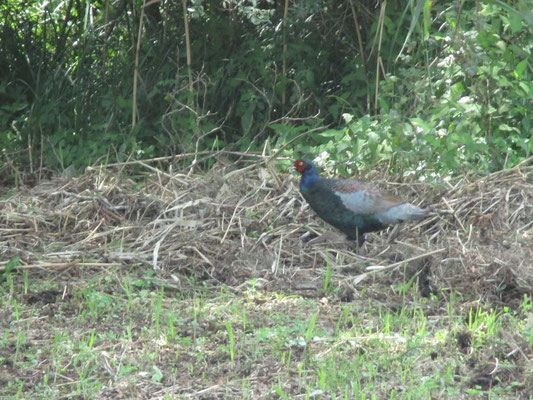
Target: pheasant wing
pixel 362 199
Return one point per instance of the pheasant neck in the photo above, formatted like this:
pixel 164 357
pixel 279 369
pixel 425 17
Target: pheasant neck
pixel 308 178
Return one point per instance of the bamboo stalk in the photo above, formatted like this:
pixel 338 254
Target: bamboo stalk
pixel 136 69
pixel 42 156
pixel 378 61
pixel 284 54
pixel 107 31
pixel 187 43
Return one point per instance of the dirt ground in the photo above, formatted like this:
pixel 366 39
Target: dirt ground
pixel 247 225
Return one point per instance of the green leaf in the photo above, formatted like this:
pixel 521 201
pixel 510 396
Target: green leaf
pixel 520 68
pixel 342 146
pixel 525 10
pixel 414 19
pixel 503 81
pixel 526 87
pixel 157 375
pixel 332 133
pixel 515 22
pixel 507 128
pixel 10 266
pixel 427 16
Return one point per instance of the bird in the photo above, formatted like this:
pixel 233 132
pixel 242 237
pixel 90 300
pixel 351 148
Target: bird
pixel 353 207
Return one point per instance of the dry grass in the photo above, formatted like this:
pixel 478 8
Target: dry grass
pixel 236 223
pixel 232 225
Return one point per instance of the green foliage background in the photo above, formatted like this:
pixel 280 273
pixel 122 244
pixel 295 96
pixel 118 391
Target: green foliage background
pixel 442 87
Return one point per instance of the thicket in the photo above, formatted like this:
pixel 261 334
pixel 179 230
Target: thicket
pixel 440 87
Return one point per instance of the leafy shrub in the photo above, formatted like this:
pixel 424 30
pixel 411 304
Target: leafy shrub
pixel 453 81
pixel 464 105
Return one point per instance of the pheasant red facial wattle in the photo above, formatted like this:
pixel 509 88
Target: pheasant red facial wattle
pixel 353 207
pixel 300 166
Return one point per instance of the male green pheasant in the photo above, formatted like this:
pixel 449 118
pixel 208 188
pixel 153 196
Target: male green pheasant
pixel 351 206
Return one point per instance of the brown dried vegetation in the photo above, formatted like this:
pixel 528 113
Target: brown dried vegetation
pixel 235 224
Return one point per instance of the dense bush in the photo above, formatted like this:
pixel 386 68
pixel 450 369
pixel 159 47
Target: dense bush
pixel 442 88
pixel 460 101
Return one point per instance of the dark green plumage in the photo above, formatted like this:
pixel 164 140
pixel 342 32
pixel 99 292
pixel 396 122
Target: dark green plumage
pixel 331 209
pixel 351 206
